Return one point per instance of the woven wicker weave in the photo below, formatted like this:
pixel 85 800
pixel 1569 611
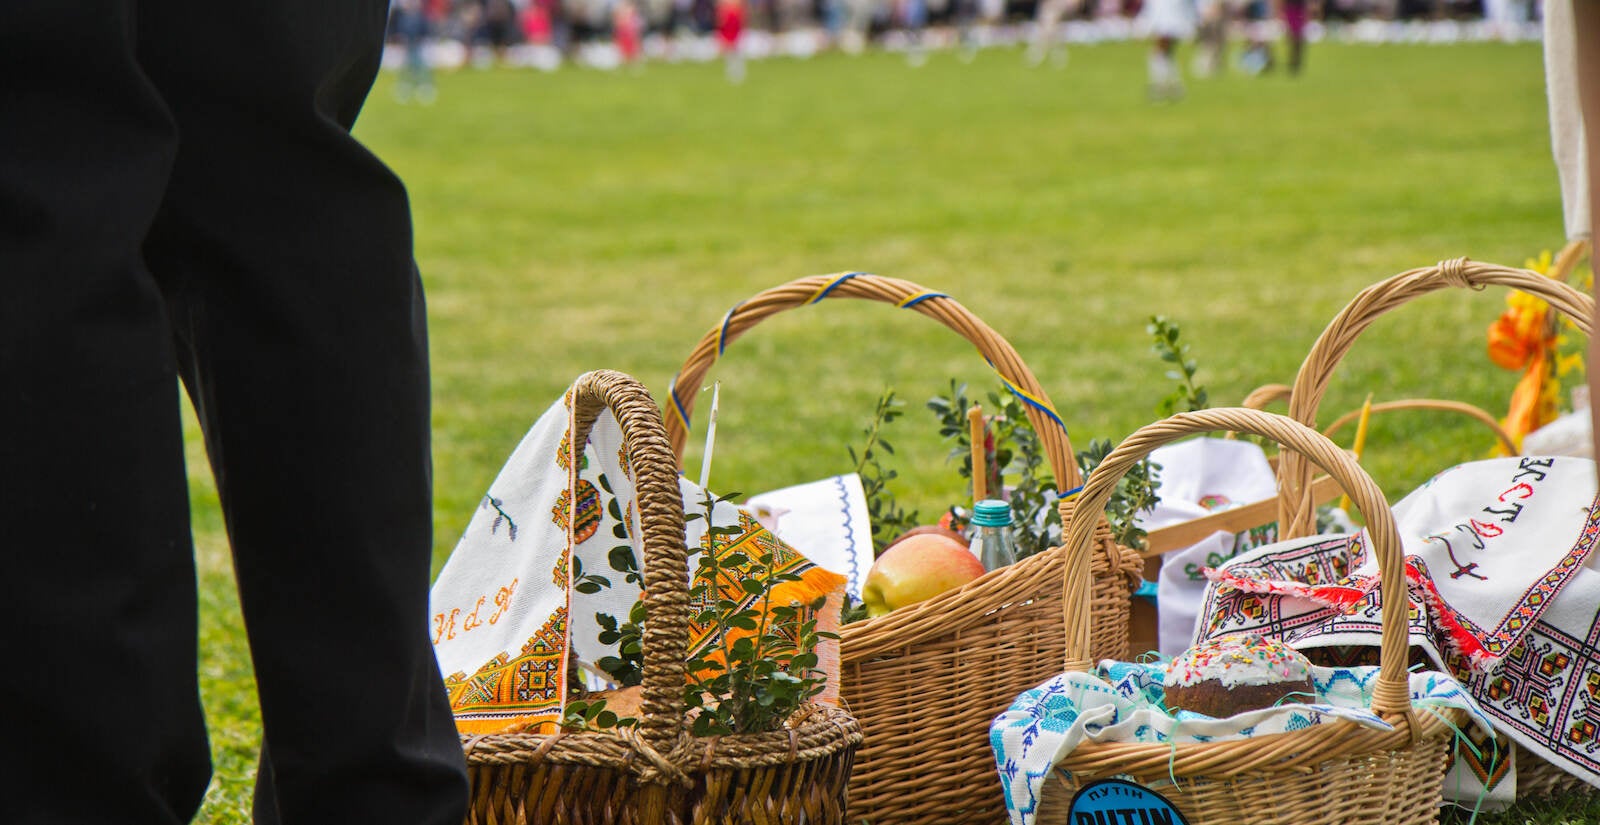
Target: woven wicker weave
pixel 1326 774
pixel 926 680
pixel 1297 514
pixel 657 773
pixel 1535 776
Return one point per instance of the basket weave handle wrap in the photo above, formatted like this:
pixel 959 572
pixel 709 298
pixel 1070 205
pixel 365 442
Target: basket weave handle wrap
pixel 1297 513
pixel 905 294
pixel 1391 695
pixel 665 562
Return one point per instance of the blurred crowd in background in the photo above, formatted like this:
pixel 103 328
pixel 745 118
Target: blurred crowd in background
pixel 546 34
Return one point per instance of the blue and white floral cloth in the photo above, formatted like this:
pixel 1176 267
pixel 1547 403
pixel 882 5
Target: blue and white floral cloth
pixel 1122 702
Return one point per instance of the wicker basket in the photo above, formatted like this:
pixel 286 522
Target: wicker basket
pixel 657 773
pixel 926 680
pixel 1144 633
pixel 1297 512
pixel 1261 396
pixel 1327 774
pixel 1297 509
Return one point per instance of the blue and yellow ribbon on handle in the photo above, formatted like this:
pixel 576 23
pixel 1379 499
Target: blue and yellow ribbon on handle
pixel 678 410
pixel 830 286
pixel 1028 398
pixel 676 407
pixel 722 335
pixel 918 298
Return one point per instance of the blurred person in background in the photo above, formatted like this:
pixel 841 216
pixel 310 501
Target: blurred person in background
pixel 1045 41
pixel 1296 14
pixel 965 15
pixel 913 15
pixel 1211 37
pixel 181 199
pixel 730 28
pixel 1504 18
pixel 627 29
pixel 494 31
pixel 859 16
pixel 1256 57
pixel 411 25
pixel 1166 23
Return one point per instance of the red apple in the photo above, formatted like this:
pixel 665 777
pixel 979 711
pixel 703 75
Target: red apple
pixel 917 567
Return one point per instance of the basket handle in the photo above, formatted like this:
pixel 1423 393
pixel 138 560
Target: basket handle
pixel 1435 404
pixel 904 294
pixel 1261 396
pixel 1391 694
pixel 665 562
pixel 1296 511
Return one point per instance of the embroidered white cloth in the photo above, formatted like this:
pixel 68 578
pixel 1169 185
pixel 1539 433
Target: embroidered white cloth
pixel 537 565
pixel 1199 477
pixel 827 520
pixel 1504 590
pixel 1122 702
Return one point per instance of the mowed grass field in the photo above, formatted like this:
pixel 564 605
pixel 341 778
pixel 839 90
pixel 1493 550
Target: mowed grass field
pixel 581 220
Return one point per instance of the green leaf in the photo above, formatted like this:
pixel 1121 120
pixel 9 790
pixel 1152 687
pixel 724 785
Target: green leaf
pixel 621 558
pixel 744 622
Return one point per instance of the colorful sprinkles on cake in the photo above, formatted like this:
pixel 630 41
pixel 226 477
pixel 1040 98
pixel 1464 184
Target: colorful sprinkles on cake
pixel 1238 660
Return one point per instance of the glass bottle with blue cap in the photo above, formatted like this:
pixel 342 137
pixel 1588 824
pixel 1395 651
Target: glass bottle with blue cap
pixel 995 546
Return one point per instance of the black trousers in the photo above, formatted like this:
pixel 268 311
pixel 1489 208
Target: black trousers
pixel 180 197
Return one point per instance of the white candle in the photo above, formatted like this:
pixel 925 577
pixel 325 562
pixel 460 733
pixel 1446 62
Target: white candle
pixel 711 436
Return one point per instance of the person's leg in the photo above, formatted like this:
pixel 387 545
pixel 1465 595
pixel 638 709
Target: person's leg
pixel 100 707
pixel 286 249
pixel 1294 24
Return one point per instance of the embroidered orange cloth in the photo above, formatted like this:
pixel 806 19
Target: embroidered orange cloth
pixel 521 596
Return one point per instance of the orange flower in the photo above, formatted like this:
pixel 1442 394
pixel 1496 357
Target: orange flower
pixel 1507 349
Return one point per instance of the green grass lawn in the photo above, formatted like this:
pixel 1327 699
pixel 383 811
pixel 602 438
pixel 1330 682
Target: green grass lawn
pixel 580 220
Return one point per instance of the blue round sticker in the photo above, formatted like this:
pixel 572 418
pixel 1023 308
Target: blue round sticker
pixel 1120 802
